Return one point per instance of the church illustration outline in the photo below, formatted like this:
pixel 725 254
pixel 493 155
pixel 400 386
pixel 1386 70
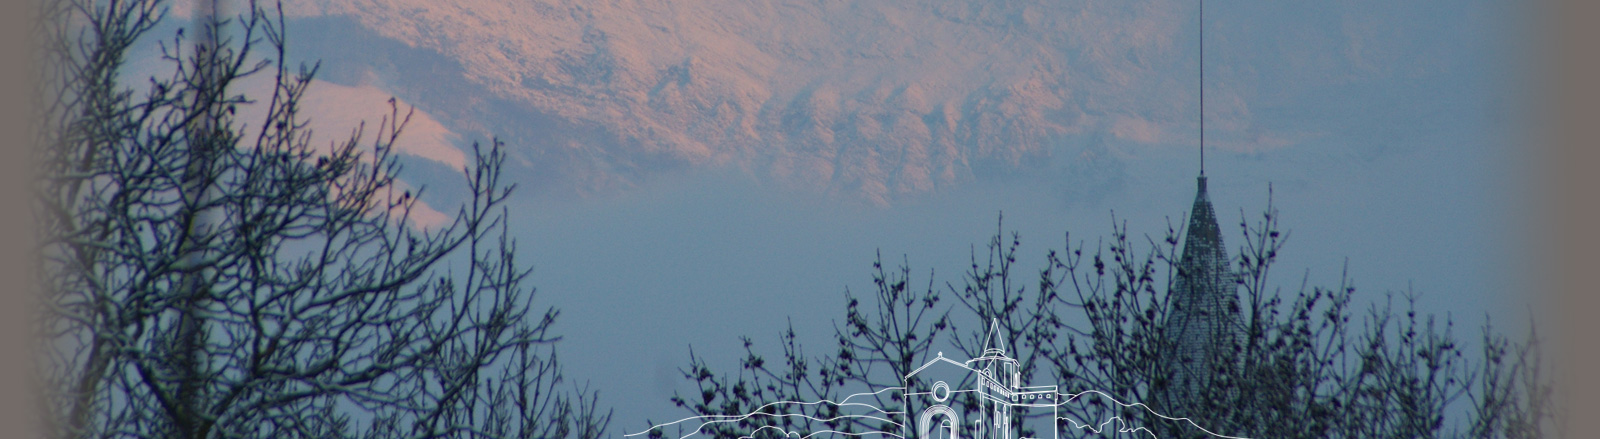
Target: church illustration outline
pixel 991 394
pixel 1204 319
pixel 985 397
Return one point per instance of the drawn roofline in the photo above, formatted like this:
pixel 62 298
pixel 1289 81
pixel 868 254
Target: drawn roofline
pixel 936 360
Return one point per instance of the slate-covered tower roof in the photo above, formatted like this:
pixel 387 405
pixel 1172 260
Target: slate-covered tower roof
pixel 1203 322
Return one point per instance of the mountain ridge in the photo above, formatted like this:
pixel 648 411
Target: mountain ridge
pixel 876 101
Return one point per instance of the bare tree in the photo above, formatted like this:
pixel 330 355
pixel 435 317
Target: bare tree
pixel 1306 364
pixel 211 277
pixel 880 342
pixel 1299 368
pixel 1514 398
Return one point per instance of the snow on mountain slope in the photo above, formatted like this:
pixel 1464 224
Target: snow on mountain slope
pixel 872 99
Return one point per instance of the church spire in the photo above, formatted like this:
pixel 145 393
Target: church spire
pixel 1202 324
pixel 993 345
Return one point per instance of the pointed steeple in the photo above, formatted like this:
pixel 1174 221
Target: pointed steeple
pixel 1203 273
pixel 1202 324
pixel 1205 285
pixel 993 344
pixel 1203 234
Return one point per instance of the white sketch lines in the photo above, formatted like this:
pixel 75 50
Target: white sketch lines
pixel 1114 423
pixel 759 411
pixel 787 433
pixel 993 403
pixel 879 392
pixel 1071 397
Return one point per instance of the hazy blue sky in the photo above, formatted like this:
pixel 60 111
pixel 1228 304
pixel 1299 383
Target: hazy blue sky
pixel 1386 130
pixel 1410 177
pixel 699 260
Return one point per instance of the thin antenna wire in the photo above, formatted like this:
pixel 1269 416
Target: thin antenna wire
pixel 1202 88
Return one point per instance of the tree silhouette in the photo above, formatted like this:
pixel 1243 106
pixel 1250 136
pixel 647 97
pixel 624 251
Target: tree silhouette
pixel 212 277
pixel 1307 364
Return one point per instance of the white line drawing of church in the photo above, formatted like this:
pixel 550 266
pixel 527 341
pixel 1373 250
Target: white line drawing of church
pixel 985 398
pixel 977 399
pixel 981 398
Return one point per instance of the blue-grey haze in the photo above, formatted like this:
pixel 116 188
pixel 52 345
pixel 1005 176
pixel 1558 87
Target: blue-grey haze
pixel 1403 161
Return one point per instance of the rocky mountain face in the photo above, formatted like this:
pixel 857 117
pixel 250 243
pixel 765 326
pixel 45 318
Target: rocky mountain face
pixel 872 99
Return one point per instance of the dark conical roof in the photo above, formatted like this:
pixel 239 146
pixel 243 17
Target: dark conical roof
pixel 1204 301
pixel 1203 237
pixel 1203 270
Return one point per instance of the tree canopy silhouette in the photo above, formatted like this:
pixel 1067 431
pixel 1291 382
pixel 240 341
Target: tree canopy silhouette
pixel 209 276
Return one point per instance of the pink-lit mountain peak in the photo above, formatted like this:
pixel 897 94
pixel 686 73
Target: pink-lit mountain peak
pixel 869 99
